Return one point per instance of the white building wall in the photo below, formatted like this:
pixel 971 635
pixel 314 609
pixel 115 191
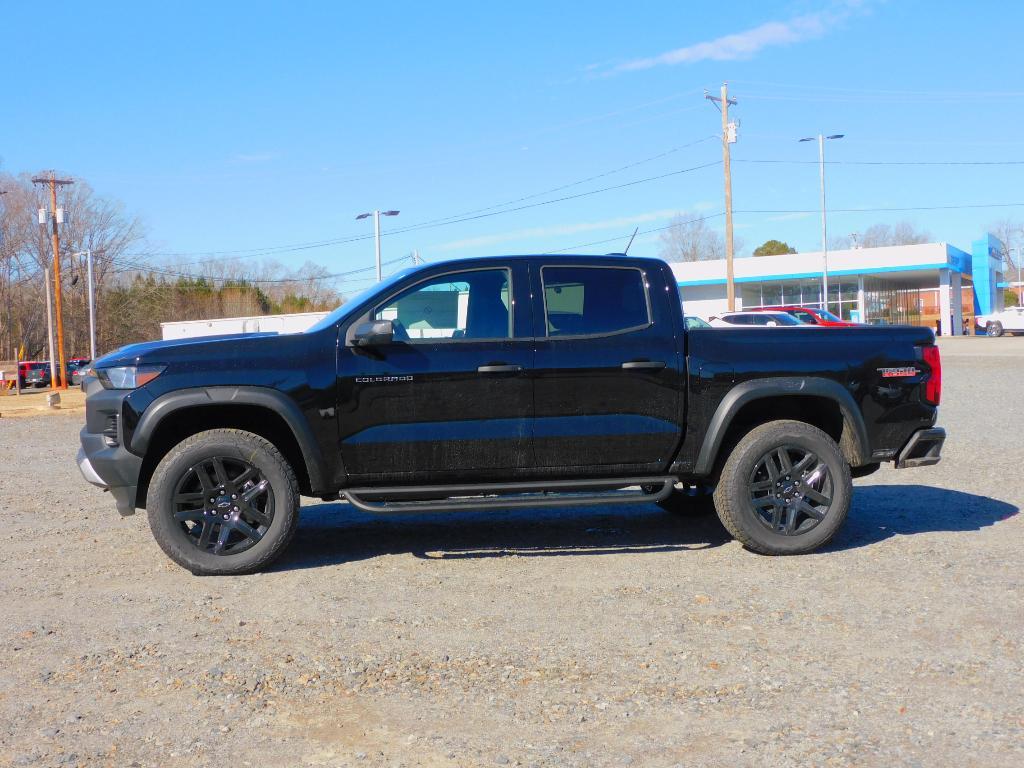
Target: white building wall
pixel 291 323
pixel 849 261
pixel 703 301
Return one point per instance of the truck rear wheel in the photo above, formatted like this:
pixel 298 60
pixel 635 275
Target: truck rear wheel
pixel 223 502
pixel 785 489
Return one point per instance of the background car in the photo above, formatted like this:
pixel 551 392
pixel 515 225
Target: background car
pixel 78 374
pixel 693 322
pixel 37 374
pixel 1008 321
pixel 22 370
pixel 77 368
pixel 752 318
pixel 810 315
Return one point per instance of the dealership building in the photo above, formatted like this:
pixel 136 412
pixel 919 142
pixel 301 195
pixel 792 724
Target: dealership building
pixel 932 284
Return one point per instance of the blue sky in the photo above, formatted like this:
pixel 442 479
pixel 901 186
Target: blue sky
pixel 240 127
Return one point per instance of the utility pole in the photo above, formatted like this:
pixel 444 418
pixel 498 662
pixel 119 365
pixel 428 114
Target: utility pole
pixel 54 182
pixel 728 137
pixel 10 298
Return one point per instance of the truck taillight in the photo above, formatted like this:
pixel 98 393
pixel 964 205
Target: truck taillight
pixel 933 386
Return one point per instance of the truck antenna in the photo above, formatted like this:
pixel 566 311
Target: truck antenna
pixel 626 252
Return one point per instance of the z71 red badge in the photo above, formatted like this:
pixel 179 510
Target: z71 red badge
pixel 896 373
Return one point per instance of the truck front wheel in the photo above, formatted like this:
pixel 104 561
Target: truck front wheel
pixel 223 502
pixel 785 489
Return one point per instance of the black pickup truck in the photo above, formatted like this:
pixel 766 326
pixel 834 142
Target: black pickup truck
pixel 506 382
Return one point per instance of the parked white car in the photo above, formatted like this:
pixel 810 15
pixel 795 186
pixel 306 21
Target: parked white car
pixel 750 319
pixel 1008 321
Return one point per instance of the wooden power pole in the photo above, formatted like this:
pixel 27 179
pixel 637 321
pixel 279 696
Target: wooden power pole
pixel 728 137
pixel 54 182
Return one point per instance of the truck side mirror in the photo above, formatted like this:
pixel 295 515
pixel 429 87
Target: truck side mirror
pixel 373 334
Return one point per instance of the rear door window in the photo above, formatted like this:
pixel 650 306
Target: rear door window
pixel 594 301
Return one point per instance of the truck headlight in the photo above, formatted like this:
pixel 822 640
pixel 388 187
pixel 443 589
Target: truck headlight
pixel 128 376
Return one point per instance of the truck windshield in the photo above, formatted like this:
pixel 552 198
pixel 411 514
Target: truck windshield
pixel 354 302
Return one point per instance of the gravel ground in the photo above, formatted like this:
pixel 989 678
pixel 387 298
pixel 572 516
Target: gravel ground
pixel 599 637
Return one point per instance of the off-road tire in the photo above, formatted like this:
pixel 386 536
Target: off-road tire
pixel 733 494
pixel 227 443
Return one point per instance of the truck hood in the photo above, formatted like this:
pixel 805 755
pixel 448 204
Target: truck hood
pixel 152 351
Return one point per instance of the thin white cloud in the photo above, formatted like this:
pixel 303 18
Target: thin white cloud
pixel 557 231
pixel 744 45
pixel 254 157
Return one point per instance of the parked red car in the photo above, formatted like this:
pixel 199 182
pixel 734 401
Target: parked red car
pixel 810 315
pixel 35 373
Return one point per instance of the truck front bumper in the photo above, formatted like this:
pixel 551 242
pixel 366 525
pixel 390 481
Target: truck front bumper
pixel 923 448
pixel 112 468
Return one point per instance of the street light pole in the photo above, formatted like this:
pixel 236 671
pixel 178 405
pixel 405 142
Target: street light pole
pixel 376 233
pixel 1020 286
pixel 49 331
pixel 824 219
pixel 92 299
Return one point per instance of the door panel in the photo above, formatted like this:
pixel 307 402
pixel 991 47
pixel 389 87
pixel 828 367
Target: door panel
pixel 448 395
pixel 611 397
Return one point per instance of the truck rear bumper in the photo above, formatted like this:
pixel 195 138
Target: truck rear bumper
pixel 923 448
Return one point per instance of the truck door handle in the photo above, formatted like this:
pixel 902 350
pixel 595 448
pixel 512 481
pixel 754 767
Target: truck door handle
pixel 653 365
pixel 499 368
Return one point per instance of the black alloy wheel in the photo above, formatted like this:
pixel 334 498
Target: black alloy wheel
pixel 791 490
pixel 224 504
pixel 784 489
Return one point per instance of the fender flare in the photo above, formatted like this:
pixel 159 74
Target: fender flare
pixel 854 441
pixel 261 397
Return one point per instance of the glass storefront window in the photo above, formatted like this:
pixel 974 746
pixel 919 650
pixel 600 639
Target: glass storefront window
pixel 771 294
pixel 750 293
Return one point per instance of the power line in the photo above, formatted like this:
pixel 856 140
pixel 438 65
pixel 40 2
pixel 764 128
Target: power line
pixel 577 183
pixel 459 217
pixel 885 162
pixel 886 92
pixel 894 209
pixel 793 210
pixel 417 227
pixel 639 232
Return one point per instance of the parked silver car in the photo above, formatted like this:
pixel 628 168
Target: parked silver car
pixel 759 318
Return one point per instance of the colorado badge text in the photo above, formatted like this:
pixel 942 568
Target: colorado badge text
pixel 381 379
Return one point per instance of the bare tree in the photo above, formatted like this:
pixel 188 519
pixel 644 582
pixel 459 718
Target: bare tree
pixel 134 292
pixel 878 235
pixel 1010 233
pixel 689 238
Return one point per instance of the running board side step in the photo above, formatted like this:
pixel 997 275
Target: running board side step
pixel 546 493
